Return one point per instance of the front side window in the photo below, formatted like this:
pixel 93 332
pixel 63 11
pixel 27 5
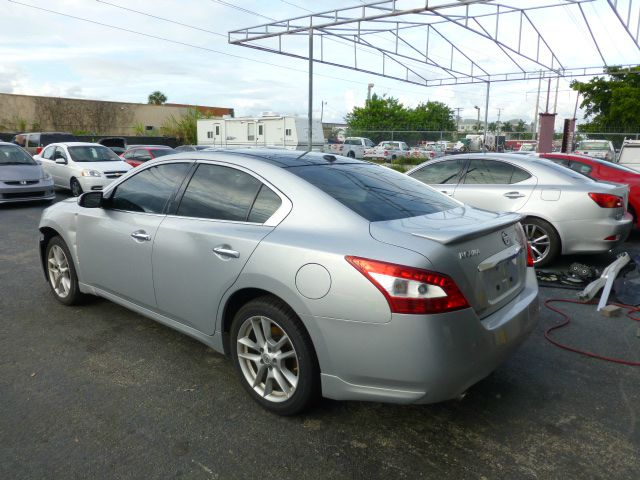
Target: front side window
pixel 488 172
pixel 219 193
pixel 148 191
pixel 440 173
pixel 33 140
pixel 130 154
pixel 48 153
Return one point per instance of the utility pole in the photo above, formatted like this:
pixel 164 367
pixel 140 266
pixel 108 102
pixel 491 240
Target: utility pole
pixel 499 112
pixel 535 115
pixel 555 100
pixel 369 87
pixel 458 118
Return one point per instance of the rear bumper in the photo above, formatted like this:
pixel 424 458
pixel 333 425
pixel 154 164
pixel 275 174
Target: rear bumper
pixel 588 236
pixel 420 358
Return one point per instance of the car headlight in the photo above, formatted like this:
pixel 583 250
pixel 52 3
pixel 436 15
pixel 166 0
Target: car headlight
pixel 91 173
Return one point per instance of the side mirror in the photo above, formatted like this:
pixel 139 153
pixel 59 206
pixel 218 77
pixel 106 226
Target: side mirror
pixel 61 160
pixel 90 200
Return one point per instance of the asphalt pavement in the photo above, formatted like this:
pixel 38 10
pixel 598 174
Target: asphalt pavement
pixel 97 391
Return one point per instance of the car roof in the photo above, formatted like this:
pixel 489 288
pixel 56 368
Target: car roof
pixel 76 144
pixel 131 147
pixel 280 157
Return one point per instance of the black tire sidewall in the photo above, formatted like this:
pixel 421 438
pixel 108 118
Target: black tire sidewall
pixel 307 388
pixel 79 188
pixel 74 291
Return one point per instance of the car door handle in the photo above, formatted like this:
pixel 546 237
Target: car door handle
pixel 226 252
pixel 446 192
pixel 141 235
pixel 513 195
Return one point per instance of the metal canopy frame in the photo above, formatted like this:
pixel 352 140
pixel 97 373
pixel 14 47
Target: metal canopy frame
pixel 427 42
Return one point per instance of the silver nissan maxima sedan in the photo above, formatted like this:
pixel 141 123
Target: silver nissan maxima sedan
pixel 316 274
pixel 563 212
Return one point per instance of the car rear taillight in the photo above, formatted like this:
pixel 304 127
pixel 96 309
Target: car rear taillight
pixel 606 200
pixel 386 152
pixel 524 241
pixel 39 150
pixel 411 290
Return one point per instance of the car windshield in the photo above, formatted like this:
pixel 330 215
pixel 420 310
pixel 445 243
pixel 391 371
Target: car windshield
pixel 375 192
pixel 14 155
pixel 93 153
pixel 161 152
pixel 592 146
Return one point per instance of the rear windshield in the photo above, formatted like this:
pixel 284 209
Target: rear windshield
pixel 93 154
pixel 161 152
pixel 593 146
pixel 375 192
pixel 14 155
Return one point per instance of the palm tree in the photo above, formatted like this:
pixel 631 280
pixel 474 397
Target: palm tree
pixel 157 98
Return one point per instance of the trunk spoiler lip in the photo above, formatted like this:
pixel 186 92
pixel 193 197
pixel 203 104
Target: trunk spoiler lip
pixel 461 234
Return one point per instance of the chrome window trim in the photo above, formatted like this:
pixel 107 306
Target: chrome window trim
pixel 274 220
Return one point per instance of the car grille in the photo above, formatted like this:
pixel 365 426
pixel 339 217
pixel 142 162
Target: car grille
pixel 22 182
pixel 115 174
pixel 23 194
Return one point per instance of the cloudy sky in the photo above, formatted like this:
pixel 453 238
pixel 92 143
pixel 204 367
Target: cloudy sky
pixel 122 55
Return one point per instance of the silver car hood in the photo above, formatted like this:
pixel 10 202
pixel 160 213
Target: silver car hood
pixel 12 173
pixel 448 227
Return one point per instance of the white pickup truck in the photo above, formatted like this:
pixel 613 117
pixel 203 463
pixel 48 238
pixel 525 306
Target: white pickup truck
pixel 388 151
pixel 353 147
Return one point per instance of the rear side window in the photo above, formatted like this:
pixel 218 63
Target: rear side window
pixel 440 173
pixel 219 193
pixel 48 138
pixel 580 167
pixel 266 204
pixel 150 190
pixel 374 192
pixel 488 172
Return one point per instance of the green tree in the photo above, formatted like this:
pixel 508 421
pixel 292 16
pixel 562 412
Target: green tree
pixel 157 98
pixel 382 116
pixel 507 127
pixel 184 128
pixel 611 103
pixel 493 127
pixel 520 127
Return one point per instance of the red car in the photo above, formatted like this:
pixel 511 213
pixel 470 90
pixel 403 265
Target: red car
pixel 605 171
pixel 139 154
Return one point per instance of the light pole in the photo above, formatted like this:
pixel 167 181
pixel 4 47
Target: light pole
pixel 478 124
pixel 322 104
pixel 369 87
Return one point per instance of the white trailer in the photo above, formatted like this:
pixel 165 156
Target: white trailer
pixel 268 130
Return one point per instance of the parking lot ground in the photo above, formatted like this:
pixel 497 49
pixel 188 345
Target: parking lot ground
pixel 97 391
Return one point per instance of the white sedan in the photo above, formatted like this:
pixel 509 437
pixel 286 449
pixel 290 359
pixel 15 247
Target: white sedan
pixel 81 167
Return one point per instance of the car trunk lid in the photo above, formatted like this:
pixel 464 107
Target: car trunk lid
pixel 480 250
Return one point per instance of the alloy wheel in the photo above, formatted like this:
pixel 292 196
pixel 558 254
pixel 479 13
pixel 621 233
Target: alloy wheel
pixel 267 358
pixel 538 237
pixel 59 273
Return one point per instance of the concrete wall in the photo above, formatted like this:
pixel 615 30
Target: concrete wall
pixel 31 113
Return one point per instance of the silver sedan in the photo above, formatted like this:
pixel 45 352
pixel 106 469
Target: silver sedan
pixel 564 212
pixel 316 274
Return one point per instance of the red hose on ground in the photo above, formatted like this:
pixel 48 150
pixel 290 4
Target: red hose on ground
pixel 567 321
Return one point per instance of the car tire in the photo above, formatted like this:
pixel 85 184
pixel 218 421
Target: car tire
pixel 544 240
pixel 76 189
pixel 351 155
pixel 61 272
pixel 274 356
